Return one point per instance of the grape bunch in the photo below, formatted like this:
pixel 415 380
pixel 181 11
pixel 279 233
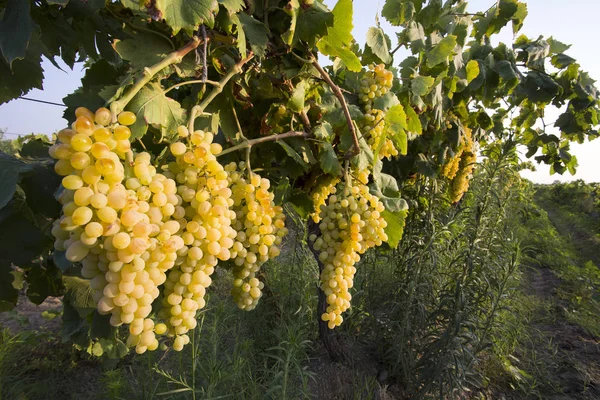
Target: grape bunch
pixel 375 82
pixel 351 223
pixel 464 169
pixel 373 128
pixel 319 195
pixel 260 226
pixel 205 229
pixel 122 234
pixel 140 232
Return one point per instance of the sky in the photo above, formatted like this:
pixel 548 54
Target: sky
pixel 571 22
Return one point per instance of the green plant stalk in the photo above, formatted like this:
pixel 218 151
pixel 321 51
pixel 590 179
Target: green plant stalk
pixel 149 72
pixel 218 88
pixel 247 144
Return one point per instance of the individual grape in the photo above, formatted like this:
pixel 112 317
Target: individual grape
pixel 81 142
pixel 102 116
pixel 126 118
pixel 84 125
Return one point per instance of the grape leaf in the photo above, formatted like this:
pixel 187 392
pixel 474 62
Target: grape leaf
pixel 385 187
pixel 339 36
pixel 233 6
pixel 323 131
pixel 472 70
pixel 256 33
pixel 398 12
pixel 155 108
pixel 293 154
pixel 155 49
pixel 26 74
pixel 16 28
pixel 421 85
pixel 292 9
pixel 296 101
pixel 395 127
pixel 329 160
pixel 395 226
pixel 413 123
pixel 441 51
pixel 313 23
pixel 20 240
pixel 9 177
pixel 43 281
pixel 377 40
pixel 187 14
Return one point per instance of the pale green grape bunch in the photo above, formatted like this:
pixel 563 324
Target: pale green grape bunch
pixel 373 127
pixel 260 226
pixel 207 233
pixel 351 223
pixel 375 82
pixel 319 195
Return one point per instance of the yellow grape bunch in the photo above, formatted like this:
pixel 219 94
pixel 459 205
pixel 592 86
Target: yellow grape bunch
pixel 375 83
pixel 139 231
pixel 350 224
pixel 459 168
pixel 260 227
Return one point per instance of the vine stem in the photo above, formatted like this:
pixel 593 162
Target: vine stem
pixel 149 72
pixel 340 96
pixel 199 109
pixel 247 144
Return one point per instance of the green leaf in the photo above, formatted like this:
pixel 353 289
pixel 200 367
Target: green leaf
pixel 339 37
pixel 385 187
pixel 256 33
pixel 155 108
pixel 296 101
pixel 15 30
pixel 313 23
pixel 472 70
pixel 43 281
pixel 25 74
pixel 378 42
pixel 398 12
pixel 155 49
pixel 20 240
pixel 39 186
pixel 518 17
pixel 557 47
pixel 441 51
pixel 329 160
pixel 233 6
pixel 421 85
pixel 395 127
pixel 10 169
pixel 324 131
pixel 413 122
pixel 395 226
pixel 292 8
pixel 187 14
pixel 293 154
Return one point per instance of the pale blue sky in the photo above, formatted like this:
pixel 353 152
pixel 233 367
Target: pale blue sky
pixel 574 22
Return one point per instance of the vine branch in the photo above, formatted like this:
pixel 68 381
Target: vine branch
pixel 199 109
pixel 247 144
pixel 149 73
pixel 338 93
